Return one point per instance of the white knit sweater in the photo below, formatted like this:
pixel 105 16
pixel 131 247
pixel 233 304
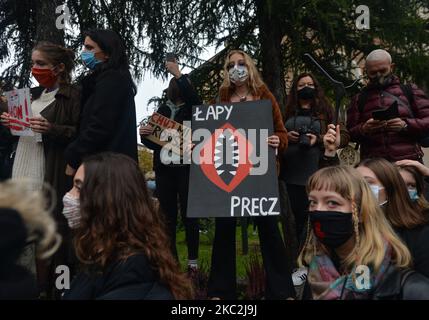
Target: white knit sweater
pixel 29 158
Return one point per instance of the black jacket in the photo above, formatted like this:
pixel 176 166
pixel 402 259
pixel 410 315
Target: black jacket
pixel 190 98
pixel 108 117
pixel 132 279
pixel 396 284
pixel 417 241
pixel 16 283
pixel 402 285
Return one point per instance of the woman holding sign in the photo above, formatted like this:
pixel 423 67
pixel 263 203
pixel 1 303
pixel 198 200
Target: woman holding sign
pixel 55 107
pixel 242 82
pixel 172 180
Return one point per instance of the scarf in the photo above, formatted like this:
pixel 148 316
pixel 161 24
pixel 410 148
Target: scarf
pixel 328 284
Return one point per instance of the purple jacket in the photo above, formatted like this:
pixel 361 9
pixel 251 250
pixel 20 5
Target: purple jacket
pixel 392 146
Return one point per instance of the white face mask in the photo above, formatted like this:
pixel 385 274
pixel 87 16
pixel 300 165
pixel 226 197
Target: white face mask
pixel 71 210
pixel 376 191
pixel 238 74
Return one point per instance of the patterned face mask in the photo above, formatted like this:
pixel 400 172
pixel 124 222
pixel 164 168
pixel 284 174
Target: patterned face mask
pixel 238 74
pixel 71 210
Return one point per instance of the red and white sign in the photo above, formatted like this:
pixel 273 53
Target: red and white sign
pixel 19 106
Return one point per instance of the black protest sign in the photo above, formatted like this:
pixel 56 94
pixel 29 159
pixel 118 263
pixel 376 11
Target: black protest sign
pixel 233 170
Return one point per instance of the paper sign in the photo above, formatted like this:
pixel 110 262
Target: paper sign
pixel 19 108
pixel 167 130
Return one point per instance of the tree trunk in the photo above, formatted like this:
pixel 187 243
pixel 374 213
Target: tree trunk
pixel 46 17
pixel 270 37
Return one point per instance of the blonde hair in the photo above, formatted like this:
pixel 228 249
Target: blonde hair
pixel 371 228
pixel 31 205
pixel 254 81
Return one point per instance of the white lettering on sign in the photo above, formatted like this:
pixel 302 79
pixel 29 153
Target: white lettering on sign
pixel 213 112
pixel 244 206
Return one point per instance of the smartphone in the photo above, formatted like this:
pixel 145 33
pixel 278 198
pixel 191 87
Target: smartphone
pixel 388 113
pixel 170 57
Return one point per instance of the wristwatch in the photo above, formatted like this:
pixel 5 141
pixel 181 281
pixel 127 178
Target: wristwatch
pixel 405 127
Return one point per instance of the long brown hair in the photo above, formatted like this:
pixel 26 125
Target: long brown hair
pixel 119 220
pixel 319 105
pixel 56 55
pixel 254 81
pixel 400 210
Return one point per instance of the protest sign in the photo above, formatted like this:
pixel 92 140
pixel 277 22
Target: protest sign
pixel 233 172
pixel 168 131
pixel 19 108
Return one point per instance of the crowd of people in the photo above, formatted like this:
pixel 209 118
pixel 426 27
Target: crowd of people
pixel 74 194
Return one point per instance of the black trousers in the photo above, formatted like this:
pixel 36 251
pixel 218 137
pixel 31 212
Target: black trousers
pixel 299 204
pixel 222 280
pixel 173 183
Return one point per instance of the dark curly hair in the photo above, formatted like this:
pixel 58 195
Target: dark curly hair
pixel 119 220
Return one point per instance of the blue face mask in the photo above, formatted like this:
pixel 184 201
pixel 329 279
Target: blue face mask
pixel 376 191
pixel 89 59
pixel 413 194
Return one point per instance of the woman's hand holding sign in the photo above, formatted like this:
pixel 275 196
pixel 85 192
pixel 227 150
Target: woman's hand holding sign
pixel 40 125
pixel 274 141
pixel 5 118
pixel 146 130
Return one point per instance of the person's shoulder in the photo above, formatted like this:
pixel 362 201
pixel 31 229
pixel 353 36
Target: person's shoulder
pixel 138 262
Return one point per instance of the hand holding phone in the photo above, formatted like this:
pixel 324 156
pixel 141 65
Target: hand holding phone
pixel 389 113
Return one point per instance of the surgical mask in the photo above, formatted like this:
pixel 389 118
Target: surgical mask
pixel 306 93
pixel 238 74
pixel 45 77
pixel 332 228
pixel 376 191
pixel 414 196
pixel 89 59
pixel 71 210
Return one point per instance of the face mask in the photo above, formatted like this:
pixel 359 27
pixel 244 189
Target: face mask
pixel 238 74
pixel 45 77
pixel 376 191
pixel 332 228
pixel 306 93
pixel 89 59
pixel 381 80
pixel 71 210
pixel 414 196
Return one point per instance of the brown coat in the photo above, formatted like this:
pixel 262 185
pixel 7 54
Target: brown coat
pixel 63 114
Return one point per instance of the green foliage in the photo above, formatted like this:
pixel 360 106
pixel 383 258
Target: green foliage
pixel 145 160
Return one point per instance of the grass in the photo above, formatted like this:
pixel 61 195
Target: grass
pixel 205 249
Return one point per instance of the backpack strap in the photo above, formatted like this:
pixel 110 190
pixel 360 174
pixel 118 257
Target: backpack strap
pixel 363 97
pixel 407 90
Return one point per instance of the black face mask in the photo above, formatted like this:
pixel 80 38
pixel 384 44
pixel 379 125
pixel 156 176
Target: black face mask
pixel 306 93
pixel 331 228
pixel 381 81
